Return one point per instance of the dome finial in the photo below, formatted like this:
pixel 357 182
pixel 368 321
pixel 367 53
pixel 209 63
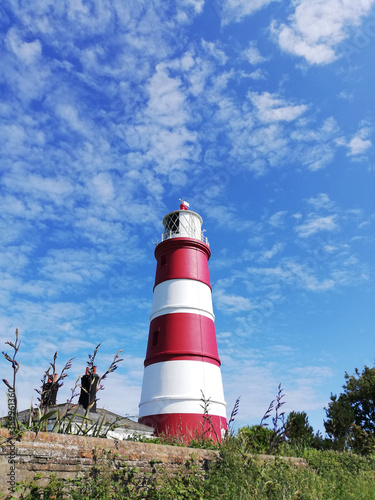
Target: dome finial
pixel 184 204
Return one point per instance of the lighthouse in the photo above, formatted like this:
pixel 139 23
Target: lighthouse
pixel 182 390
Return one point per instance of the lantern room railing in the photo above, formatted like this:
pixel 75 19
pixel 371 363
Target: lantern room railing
pixel 170 234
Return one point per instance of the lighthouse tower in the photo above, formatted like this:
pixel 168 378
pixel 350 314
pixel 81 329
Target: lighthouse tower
pixel 182 366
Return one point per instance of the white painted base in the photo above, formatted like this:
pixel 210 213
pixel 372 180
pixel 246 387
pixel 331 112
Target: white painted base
pixel 175 387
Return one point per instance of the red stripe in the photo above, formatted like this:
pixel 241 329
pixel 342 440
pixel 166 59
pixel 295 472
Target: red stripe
pixel 182 336
pixel 182 258
pixel 186 426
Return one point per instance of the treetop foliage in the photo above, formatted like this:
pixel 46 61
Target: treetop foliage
pixel 351 415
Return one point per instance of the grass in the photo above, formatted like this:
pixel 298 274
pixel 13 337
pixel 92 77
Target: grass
pixel 236 475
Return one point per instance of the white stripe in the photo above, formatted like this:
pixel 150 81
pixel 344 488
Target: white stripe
pixel 182 295
pixel 175 387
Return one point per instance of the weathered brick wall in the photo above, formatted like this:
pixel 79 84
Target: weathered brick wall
pixel 65 455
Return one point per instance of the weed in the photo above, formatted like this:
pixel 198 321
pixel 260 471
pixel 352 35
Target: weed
pixel 46 416
pixel 232 417
pixel 13 408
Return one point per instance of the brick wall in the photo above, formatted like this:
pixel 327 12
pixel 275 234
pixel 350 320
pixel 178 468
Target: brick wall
pixel 65 455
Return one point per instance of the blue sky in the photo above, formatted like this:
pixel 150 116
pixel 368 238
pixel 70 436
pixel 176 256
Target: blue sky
pixel 260 114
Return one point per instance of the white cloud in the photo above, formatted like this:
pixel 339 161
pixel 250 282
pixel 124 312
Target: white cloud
pixel 270 142
pixel 317 147
pixel 297 216
pixel 346 95
pixel 197 5
pixel 166 99
pixel 306 279
pixel 276 248
pixel 254 371
pixel 28 52
pixel 359 143
pixel 55 189
pixel 261 133
pixel 72 266
pixel 319 156
pixel 258 74
pixel 161 135
pixel 321 201
pixel 14 137
pixel 215 52
pixel 292 273
pixel 253 55
pixel 283 350
pixel 317 27
pixel 316 224
pixel 272 108
pixel 277 219
pixel 231 303
pixel 236 10
pixel 313 374
pixel 104 188
pixel 70 114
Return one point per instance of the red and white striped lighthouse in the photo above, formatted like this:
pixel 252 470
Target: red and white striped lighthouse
pixel 182 360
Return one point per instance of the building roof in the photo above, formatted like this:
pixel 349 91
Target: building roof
pixel 121 427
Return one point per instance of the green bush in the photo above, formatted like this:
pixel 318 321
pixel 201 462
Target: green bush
pixel 255 439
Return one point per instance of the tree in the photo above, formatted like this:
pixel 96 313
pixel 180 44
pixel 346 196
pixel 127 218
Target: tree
pixel 351 416
pixel 340 418
pixel 298 430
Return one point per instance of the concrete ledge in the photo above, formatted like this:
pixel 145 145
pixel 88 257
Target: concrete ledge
pixel 66 455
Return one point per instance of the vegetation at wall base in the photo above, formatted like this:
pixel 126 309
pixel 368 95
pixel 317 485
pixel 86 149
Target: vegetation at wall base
pixel 235 475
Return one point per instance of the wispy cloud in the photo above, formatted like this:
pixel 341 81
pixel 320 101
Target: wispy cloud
pixel 236 10
pixel 262 373
pixel 321 202
pixel 253 55
pixel 277 219
pixel 316 147
pixel 258 74
pixel 317 224
pixel 28 52
pixel 269 254
pixel 292 273
pixel 272 108
pixel 231 303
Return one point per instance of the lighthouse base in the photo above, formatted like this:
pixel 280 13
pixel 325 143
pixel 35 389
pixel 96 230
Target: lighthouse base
pixel 187 426
pixel 173 399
